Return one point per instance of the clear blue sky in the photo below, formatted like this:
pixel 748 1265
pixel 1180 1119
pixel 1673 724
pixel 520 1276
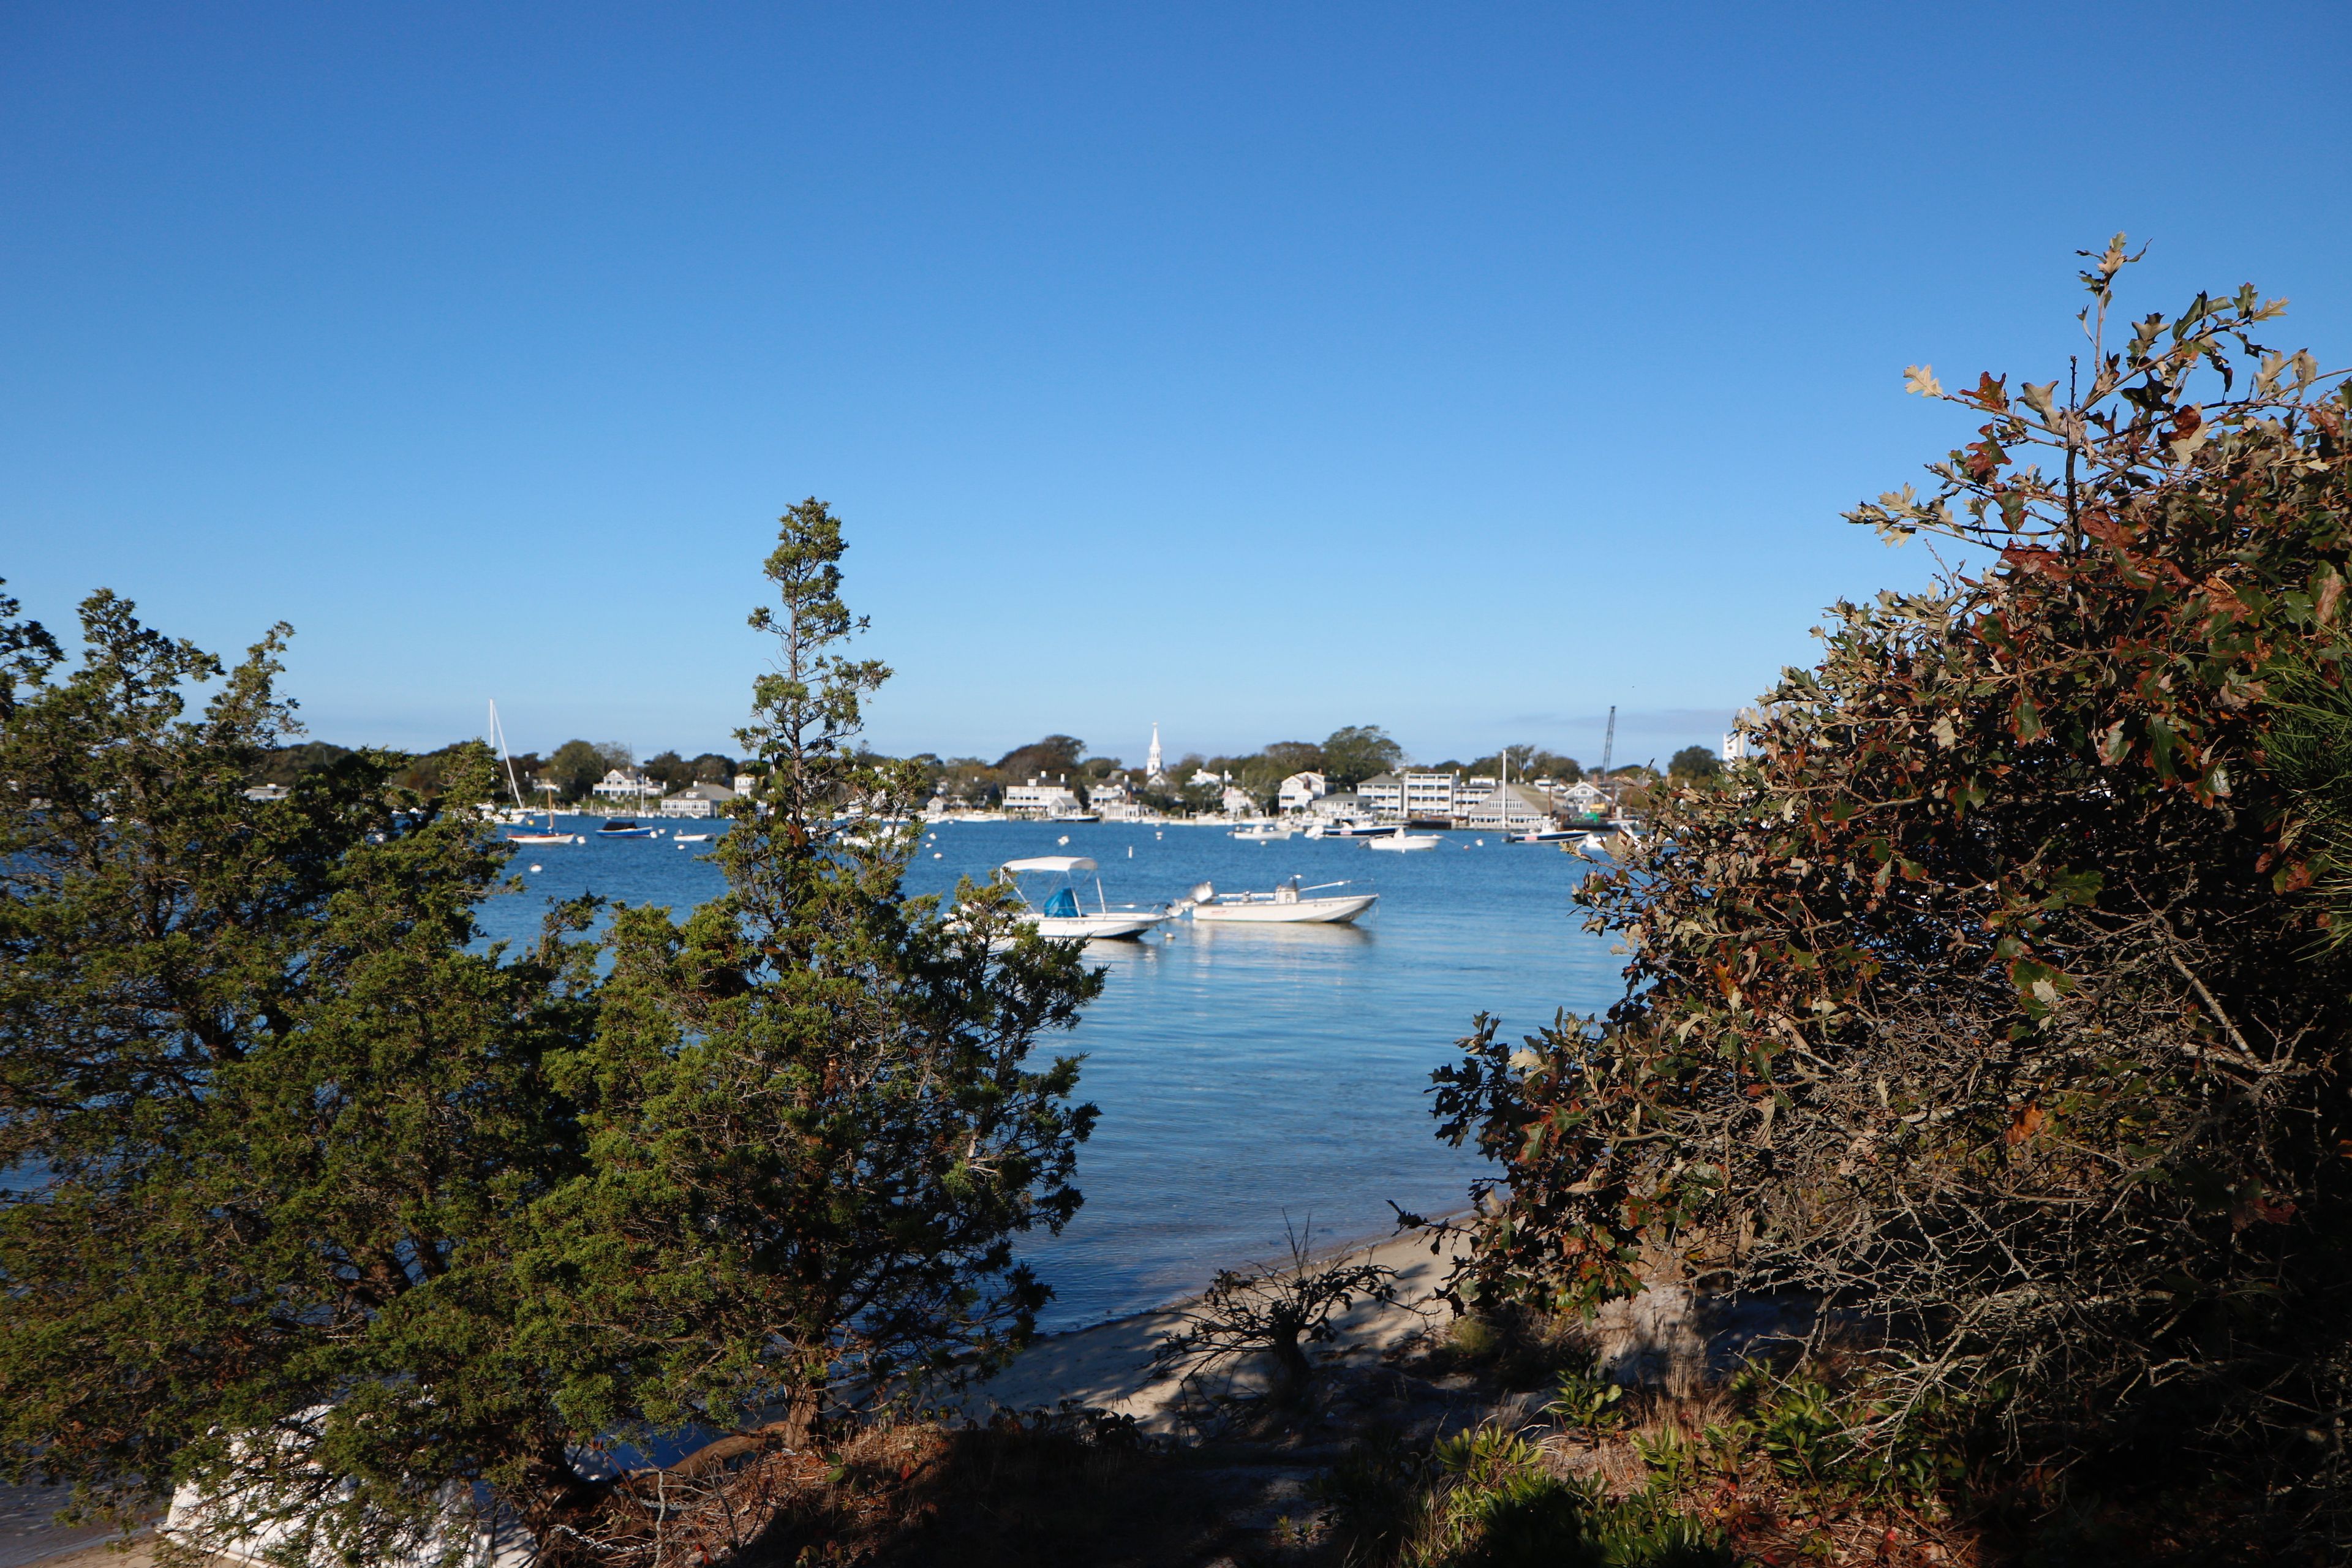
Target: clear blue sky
pixel 1251 369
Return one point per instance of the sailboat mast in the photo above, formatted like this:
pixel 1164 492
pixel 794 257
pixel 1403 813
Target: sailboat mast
pixel 499 733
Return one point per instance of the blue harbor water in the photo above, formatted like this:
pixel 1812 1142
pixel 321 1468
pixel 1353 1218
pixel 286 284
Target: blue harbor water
pixel 1247 1076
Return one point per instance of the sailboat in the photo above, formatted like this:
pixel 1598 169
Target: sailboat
pixel 514 787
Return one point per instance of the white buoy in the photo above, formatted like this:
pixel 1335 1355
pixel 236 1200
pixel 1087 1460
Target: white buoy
pixel 936 856
pixel 1065 839
pixel 534 868
pixel 1130 851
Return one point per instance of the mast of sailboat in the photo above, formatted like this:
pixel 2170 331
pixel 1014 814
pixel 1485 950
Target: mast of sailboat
pixel 499 733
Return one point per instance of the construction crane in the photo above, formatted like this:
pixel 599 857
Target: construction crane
pixel 1608 749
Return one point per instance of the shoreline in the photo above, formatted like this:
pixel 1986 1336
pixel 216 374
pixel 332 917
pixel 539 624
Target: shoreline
pixel 1108 1365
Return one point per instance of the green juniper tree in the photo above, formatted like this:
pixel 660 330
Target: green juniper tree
pixel 273 1127
pixel 814 1129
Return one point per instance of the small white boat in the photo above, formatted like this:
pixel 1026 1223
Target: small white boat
pixel 689 839
pixel 1263 832
pixel 1286 905
pixel 1398 838
pixel 1547 836
pixel 1057 914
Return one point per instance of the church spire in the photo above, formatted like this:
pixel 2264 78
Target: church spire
pixel 1151 769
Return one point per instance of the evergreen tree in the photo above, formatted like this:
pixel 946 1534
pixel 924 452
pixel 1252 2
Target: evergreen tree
pixel 815 1131
pixel 272 1128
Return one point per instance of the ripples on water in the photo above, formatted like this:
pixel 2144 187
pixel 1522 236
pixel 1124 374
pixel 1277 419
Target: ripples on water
pixel 1244 1074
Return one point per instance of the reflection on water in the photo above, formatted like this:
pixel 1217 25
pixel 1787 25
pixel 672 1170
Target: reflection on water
pixel 1245 1072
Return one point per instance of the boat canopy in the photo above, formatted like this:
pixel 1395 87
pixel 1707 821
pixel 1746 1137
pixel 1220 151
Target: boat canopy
pixel 1063 863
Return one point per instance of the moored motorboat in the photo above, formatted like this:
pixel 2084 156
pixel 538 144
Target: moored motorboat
pixel 1286 905
pixel 1057 913
pixel 1263 832
pixel 625 828
pixel 1398 838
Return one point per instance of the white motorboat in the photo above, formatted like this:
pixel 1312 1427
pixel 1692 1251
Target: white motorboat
pixel 1547 836
pixel 1344 828
pixel 1286 905
pixel 1263 832
pixel 1057 913
pixel 1398 838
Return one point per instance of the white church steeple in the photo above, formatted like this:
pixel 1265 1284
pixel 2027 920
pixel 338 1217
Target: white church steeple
pixel 1152 772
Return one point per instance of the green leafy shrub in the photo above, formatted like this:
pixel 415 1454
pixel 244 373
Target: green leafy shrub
pixel 1998 1002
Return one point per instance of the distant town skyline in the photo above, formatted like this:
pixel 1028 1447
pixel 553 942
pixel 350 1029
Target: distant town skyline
pixel 1462 372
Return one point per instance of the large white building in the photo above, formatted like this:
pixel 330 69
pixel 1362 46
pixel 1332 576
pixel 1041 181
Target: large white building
pixel 1514 808
pixel 696 800
pixel 617 786
pixel 1301 790
pixel 1042 800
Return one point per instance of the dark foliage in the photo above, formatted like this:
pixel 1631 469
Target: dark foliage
pixel 2000 1002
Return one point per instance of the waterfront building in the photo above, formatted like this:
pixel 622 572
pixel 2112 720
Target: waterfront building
pixel 1040 800
pixel 1154 775
pixel 619 785
pixel 1236 802
pixel 1113 801
pixel 696 800
pixel 1583 798
pixel 1339 802
pixel 1431 797
pixel 1418 795
pixel 1514 808
pixel 1300 790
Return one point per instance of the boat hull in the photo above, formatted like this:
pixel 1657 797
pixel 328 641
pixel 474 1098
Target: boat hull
pixel 1298 911
pixel 1097 927
pixel 1403 841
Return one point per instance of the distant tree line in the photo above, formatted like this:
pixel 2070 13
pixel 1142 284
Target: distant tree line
pixel 573 768
pixel 1345 758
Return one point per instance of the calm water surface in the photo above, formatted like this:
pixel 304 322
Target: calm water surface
pixel 1244 1075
